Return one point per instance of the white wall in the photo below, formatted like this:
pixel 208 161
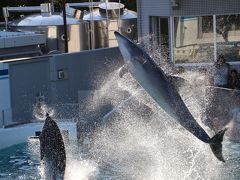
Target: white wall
pixel 21 133
pixel 5 101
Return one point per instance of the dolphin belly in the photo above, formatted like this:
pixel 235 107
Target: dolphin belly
pixel 152 83
pixel 165 94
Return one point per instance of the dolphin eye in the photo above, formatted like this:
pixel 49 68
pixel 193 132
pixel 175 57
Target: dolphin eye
pixel 142 60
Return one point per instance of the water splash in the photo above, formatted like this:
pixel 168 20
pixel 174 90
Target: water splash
pixel 40 110
pixel 81 170
pixel 140 141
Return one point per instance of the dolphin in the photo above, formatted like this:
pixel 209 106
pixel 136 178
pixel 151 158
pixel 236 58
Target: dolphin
pixel 52 150
pixel 160 87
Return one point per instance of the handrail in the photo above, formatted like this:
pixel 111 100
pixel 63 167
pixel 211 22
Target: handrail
pixel 84 4
pixel 23 9
pixel 44 8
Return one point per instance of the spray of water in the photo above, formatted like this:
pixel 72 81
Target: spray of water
pixel 140 141
pixel 81 170
pixel 40 110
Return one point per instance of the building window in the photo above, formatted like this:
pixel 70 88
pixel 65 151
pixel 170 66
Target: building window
pixel 207 24
pixel 193 39
pixel 196 40
pixel 160 36
pixel 228 36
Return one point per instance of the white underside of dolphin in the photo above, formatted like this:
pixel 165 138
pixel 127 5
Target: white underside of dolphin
pixel 158 85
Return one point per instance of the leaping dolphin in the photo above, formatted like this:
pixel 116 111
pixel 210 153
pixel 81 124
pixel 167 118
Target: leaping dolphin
pixel 52 150
pixel 158 85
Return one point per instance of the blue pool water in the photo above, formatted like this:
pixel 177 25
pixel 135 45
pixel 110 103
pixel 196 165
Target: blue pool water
pixel 21 161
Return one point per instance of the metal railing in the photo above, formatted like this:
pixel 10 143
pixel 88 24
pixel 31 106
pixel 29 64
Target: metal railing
pixel 44 8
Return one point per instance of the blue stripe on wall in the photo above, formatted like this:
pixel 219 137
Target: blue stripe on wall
pixel 3 72
pixel 6 77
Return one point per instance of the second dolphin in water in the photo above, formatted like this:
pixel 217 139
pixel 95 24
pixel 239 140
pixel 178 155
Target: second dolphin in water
pixel 158 85
pixel 52 150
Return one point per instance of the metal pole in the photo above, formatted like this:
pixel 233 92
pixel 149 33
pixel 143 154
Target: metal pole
pixel 65 26
pixel 214 38
pixel 107 21
pixel 3 119
pixel 6 15
pixel 92 28
pixel 52 6
pixel 119 15
pixel 172 41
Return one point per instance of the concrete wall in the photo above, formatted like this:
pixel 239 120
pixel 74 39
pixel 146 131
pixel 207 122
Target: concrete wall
pixel 148 8
pixel 5 105
pixel 21 134
pixel 85 71
pixel 27 79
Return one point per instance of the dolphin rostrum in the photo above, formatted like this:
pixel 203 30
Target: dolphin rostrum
pixel 52 150
pixel 158 85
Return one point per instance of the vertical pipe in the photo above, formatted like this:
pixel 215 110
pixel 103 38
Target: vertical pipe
pixel 107 21
pixel 52 6
pixel 92 27
pixel 3 119
pixel 172 40
pixel 6 15
pixel 214 37
pixel 119 15
pixel 65 26
pixel 139 22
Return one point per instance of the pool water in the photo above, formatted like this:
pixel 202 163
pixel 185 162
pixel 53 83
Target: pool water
pixel 22 161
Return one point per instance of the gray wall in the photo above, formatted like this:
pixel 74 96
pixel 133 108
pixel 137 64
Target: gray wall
pixel 148 8
pixel 85 71
pixel 163 8
pixel 27 78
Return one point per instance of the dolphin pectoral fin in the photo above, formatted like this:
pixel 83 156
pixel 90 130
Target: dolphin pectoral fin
pixel 123 70
pixel 177 81
pixel 216 144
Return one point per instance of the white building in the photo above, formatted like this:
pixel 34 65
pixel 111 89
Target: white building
pixel 193 31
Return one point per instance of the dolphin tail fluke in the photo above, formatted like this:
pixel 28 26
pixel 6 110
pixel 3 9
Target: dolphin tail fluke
pixel 216 144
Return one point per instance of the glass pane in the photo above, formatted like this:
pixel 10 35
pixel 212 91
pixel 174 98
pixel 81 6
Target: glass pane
pixel 159 38
pixel 228 36
pixel 193 39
